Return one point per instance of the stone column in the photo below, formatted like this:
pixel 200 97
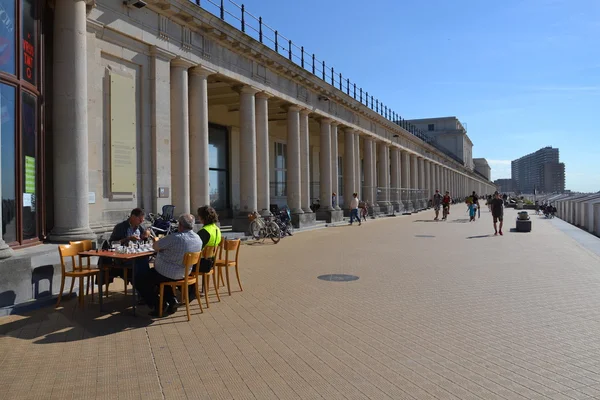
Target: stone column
pixel 180 137
pixel 384 171
pixel 293 162
pixel 414 180
pixel 325 165
pixel 334 164
pixel 422 182
pixel 369 172
pixel 374 152
pixel 357 167
pixel 405 174
pixel 305 161
pixel 263 189
pixel 395 180
pixel 199 175
pixel 248 191
pixel 70 119
pixel 349 166
pixel 428 192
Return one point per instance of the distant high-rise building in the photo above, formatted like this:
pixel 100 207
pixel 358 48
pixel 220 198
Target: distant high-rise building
pixel 504 185
pixel 540 171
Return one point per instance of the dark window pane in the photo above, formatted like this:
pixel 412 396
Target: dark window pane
pixel 29 165
pixel 7 36
pixel 217 148
pixel 7 145
pixel 218 190
pixel 29 44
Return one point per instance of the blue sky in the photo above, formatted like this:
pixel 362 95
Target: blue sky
pixel 521 74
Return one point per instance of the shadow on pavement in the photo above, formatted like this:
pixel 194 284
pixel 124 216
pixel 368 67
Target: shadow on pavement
pixel 71 323
pixel 479 236
pixel 425 220
pixel 459 221
pixel 425 236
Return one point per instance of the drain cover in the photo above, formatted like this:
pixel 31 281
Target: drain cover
pixel 338 277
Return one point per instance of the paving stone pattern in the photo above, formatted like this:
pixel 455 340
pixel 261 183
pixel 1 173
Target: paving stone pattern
pixel 441 310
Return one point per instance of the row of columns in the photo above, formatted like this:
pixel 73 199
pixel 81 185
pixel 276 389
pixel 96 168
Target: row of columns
pixel 189 144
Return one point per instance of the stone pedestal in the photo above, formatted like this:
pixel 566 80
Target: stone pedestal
pixel 330 216
pixel 241 224
pixel 523 225
pixel 374 211
pixel 304 220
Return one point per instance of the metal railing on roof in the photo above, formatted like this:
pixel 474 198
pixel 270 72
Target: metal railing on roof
pixel 238 17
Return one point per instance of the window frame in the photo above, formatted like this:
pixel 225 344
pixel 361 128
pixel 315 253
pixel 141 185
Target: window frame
pixel 21 85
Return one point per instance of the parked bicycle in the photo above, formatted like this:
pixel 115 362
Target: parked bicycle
pixel 262 228
pixel 163 224
pixel 284 220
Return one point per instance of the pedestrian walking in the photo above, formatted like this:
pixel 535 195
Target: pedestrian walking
pixel 354 209
pixel 497 207
pixel 364 210
pixel 446 200
pixel 475 199
pixel 437 203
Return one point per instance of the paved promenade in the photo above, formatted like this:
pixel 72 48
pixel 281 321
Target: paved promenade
pixel 441 310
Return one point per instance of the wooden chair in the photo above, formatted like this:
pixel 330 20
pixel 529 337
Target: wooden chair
pixel 191 278
pixel 78 271
pixel 208 252
pixel 86 245
pixel 229 247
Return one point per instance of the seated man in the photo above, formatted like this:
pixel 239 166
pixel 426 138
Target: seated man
pixel 168 265
pixel 125 232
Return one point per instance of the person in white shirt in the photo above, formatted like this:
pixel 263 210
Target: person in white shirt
pixel 354 209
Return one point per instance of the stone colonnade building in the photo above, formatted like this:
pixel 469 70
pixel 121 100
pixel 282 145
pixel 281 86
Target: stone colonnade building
pixel 108 107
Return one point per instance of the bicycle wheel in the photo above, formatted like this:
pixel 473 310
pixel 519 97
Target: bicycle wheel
pixel 254 230
pixel 274 232
pixel 290 227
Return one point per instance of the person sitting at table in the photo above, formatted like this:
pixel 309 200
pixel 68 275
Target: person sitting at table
pixel 210 235
pixel 125 232
pixel 168 265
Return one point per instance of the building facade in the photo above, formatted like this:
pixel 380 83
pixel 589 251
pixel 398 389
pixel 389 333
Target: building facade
pixel 540 171
pixel 504 185
pixel 170 104
pixel 450 135
pixel 482 167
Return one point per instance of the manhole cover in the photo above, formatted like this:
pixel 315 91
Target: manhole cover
pixel 338 277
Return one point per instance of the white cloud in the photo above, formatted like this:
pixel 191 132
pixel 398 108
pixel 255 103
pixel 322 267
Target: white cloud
pixel 499 162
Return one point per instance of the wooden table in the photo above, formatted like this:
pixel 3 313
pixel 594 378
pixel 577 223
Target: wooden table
pixel 121 256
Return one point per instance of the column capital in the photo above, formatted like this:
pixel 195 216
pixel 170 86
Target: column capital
pixel 263 95
pixel 161 53
pixel 305 111
pixel 349 130
pixel 201 71
pixel 324 120
pixel 334 123
pixel 291 107
pixel 181 62
pixel 245 89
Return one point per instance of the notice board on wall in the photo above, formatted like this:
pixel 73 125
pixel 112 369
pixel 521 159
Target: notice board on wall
pixel 123 159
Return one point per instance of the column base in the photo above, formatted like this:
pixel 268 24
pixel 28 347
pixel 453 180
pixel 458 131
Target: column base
pixel 330 216
pixel 304 220
pixel 5 251
pixel 307 210
pixel 265 213
pixel 241 223
pixel 387 209
pixel 65 235
pixel 374 211
pixel 409 207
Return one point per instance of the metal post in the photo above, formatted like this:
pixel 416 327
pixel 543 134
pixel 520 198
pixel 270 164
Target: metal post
pixel 341 81
pixel 348 86
pixel 371 102
pixel 361 95
pixel 332 77
pixel 290 50
pixel 313 64
pixel 355 91
pixel 260 29
pixel 323 70
pixel 243 19
pixel 377 105
pixel 276 41
pixel 222 10
pixel 302 56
